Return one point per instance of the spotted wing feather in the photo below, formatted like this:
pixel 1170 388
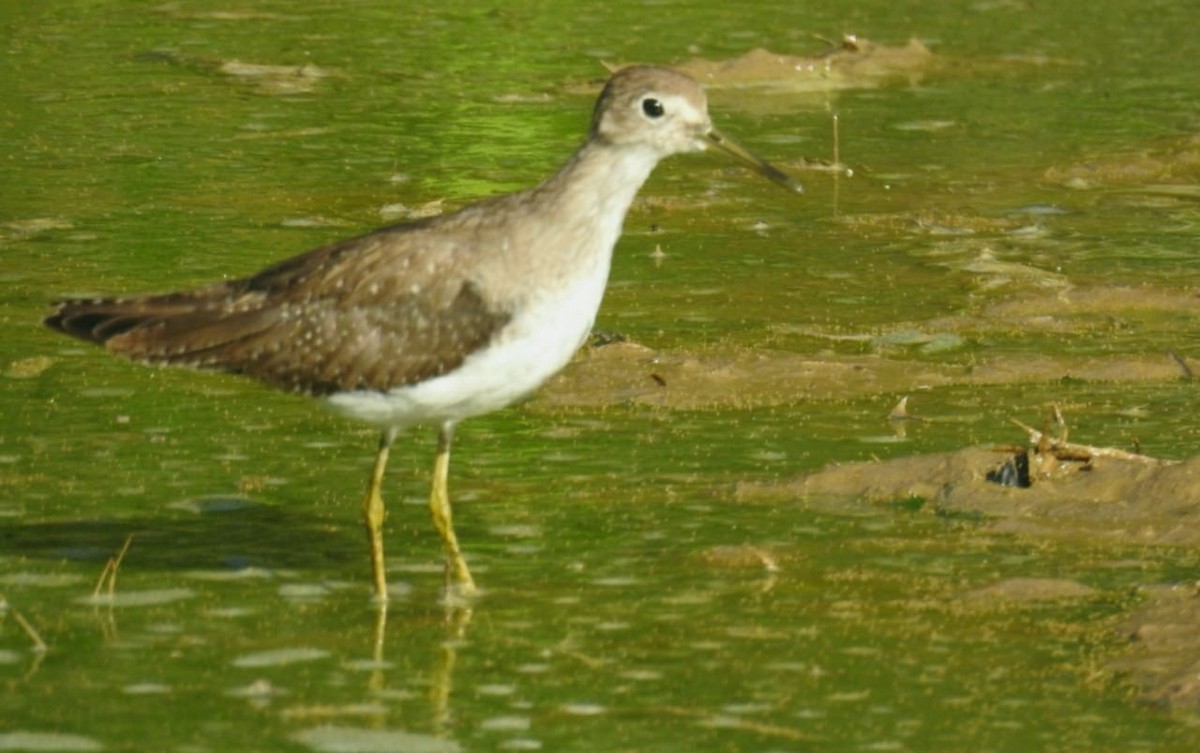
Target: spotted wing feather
pixel 371 313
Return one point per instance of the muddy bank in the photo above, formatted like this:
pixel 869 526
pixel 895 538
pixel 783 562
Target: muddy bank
pixel 627 373
pixel 630 373
pixel 1127 501
pixel 964 348
pixel 854 63
pixel 1170 168
pixel 1104 498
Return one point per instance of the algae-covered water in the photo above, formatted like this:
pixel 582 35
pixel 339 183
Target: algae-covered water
pixel 1019 232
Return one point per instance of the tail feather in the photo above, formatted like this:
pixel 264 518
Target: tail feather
pixel 172 328
pixel 96 321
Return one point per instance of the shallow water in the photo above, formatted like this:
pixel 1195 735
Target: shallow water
pixel 630 602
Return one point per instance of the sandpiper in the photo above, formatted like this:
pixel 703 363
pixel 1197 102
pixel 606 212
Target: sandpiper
pixel 438 320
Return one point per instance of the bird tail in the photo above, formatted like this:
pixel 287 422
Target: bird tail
pixel 180 328
pixel 98 320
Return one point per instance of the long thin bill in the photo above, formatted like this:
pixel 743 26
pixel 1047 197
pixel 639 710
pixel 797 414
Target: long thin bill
pixel 722 144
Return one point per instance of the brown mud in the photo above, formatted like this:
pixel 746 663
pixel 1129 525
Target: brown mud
pixel 854 63
pixel 733 377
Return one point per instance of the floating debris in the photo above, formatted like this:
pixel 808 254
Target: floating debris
pixel 280 657
pixel 1032 590
pixel 331 739
pixel 28 368
pixel 275 80
pixel 151 598
pixel 55 741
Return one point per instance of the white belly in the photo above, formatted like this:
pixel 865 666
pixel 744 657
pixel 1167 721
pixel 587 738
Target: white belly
pixel 534 346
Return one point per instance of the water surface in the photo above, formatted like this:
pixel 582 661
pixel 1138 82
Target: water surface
pixel 630 602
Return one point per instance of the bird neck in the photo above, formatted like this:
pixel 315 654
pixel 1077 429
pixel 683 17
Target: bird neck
pixel 600 181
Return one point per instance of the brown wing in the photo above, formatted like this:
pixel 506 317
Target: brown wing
pixel 375 312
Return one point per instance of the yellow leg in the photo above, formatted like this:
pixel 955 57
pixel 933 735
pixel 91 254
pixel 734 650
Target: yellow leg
pixel 374 513
pixel 439 505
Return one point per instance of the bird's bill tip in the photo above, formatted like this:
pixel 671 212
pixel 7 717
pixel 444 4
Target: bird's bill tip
pixel 717 140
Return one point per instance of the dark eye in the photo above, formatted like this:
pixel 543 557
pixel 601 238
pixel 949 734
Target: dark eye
pixel 652 107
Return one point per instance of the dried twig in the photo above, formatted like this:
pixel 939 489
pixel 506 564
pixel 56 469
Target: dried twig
pixel 39 645
pixel 1071 451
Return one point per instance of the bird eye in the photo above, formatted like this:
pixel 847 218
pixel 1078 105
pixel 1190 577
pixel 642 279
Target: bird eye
pixel 652 107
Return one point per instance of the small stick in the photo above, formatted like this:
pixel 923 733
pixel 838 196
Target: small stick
pixel 109 573
pixel 39 645
pixel 837 143
pixel 108 566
